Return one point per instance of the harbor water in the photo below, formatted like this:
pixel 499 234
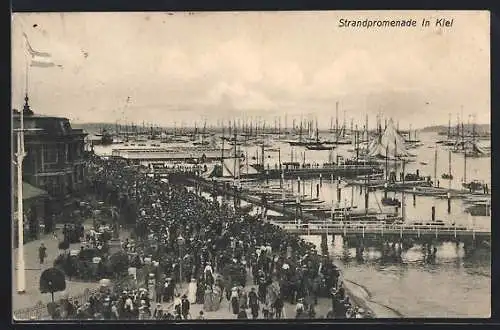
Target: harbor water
pixel 454 285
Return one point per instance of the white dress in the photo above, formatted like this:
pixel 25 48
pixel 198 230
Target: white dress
pixel 192 288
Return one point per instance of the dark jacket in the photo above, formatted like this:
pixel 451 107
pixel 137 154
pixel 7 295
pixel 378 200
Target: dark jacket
pixel 185 306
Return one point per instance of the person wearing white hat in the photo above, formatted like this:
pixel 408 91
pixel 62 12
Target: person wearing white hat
pixel 299 307
pixel 208 267
pixel 143 311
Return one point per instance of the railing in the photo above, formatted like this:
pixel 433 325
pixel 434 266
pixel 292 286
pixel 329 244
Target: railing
pixel 40 310
pixel 377 227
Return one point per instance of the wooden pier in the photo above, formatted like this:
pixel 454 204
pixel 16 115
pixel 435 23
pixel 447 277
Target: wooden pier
pixel 361 230
pixel 314 172
pixel 403 230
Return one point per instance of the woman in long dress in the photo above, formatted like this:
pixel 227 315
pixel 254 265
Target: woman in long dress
pixel 192 289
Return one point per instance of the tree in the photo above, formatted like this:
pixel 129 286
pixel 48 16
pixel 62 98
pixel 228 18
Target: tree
pixel 64 245
pixel 119 263
pixel 106 236
pixel 52 280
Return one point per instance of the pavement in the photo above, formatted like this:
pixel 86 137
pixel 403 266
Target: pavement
pixel 32 295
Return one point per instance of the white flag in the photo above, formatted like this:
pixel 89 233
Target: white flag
pixel 38 59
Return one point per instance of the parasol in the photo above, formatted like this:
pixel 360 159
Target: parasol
pixel 104 282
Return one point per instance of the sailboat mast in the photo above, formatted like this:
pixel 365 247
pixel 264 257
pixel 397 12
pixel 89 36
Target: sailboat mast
pixel 465 167
pixel 366 127
pixel 449 126
pixel 343 127
pixel 279 129
pixel 235 145
pixel 357 143
pixel 403 202
pixel 435 165
pixel 300 131
pixel 317 132
pixel 386 162
pixel 395 157
pixel 223 141
pixel 337 121
pixel 449 169
pixel 474 130
pixel 203 133
pixel 449 163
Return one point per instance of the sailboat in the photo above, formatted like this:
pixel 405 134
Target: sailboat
pixel 474 185
pixel 318 145
pixel 415 141
pixel 300 141
pixel 391 201
pixel 201 141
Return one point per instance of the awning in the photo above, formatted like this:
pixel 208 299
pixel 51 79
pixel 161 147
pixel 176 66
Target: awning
pixel 30 192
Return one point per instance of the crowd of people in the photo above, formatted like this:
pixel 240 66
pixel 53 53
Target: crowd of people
pixel 220 252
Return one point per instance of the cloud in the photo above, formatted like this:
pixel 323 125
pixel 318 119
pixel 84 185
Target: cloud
pixel 284 76
pixel 236 96
pixel 176 66
pixel 354 70
pixel 221 66
pixel 233 60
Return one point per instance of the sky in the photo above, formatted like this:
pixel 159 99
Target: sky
pixel 163 68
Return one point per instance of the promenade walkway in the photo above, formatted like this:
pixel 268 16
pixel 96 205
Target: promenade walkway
pixel 32 295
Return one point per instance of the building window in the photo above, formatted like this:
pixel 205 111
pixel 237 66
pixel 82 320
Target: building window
pixel 78 150
pixel 50 154
pixel 66 153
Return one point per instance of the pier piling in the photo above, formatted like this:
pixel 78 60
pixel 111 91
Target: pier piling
pixel 433 213
pixel 317 190
pixel 448 195
pixel 324 243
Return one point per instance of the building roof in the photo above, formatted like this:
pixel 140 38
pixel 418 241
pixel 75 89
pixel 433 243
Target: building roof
pixel 30 192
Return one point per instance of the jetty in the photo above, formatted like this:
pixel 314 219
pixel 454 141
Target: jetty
pixel 356 231
pixel 294 171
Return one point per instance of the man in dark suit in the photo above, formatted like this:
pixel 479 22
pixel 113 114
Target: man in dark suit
pixel 185 305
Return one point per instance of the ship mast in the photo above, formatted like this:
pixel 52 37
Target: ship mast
pixel 435 165
pixel 343 127
pixel 449 126
pixel 337 122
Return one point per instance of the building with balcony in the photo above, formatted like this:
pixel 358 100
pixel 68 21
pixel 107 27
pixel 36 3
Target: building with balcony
pixel 54 158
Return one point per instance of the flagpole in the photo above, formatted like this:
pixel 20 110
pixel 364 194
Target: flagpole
pixel 21 270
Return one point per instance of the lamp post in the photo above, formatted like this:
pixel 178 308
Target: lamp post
pixel 180 244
